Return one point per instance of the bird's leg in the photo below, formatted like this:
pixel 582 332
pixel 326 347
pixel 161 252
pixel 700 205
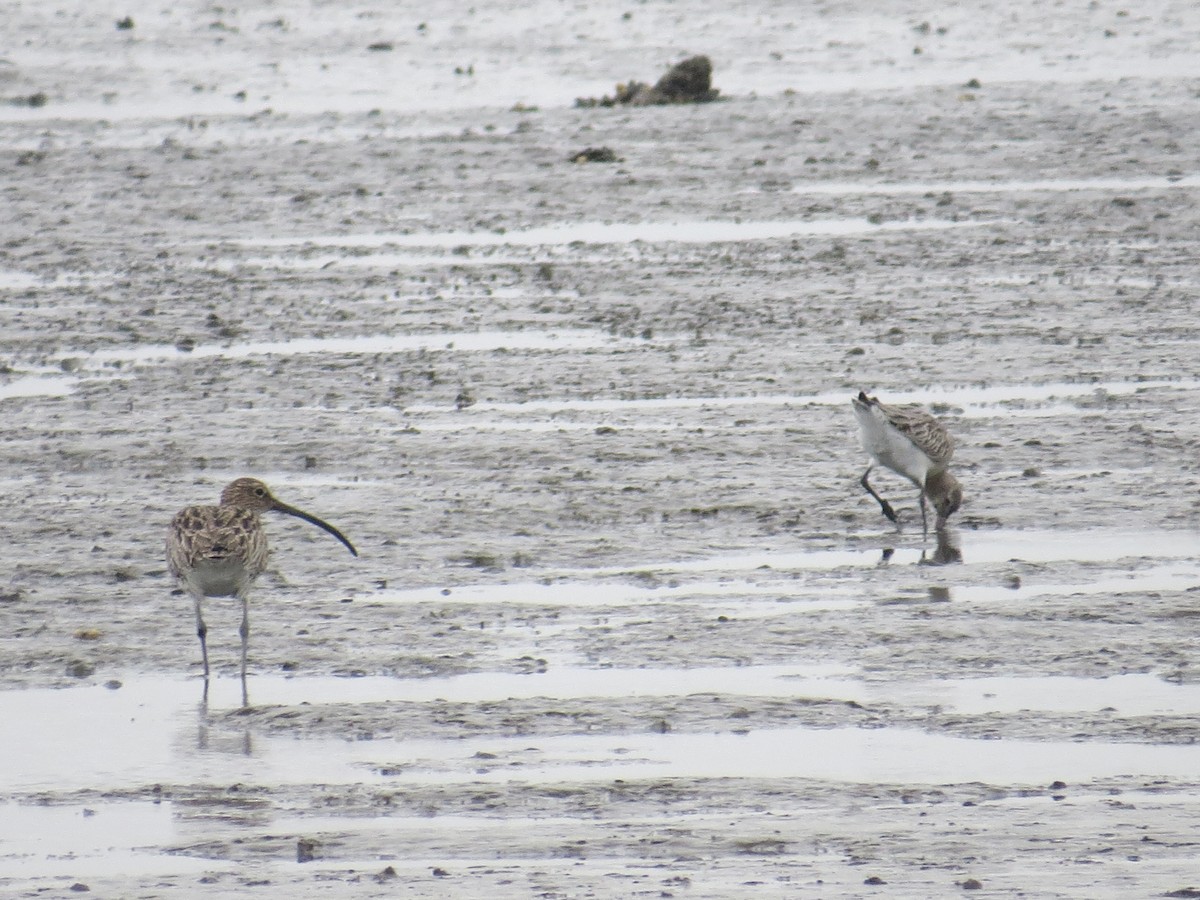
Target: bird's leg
pixel 202 633
pixel 924 517
pixel 883 504
pixel 244 630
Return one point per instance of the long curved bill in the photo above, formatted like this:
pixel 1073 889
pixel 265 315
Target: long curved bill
pixel 320 523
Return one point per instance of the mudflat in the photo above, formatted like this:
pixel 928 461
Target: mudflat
pixel 624 622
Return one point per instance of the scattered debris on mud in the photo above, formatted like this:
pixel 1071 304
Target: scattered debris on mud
pixel 625 622
pixel 595 154
pixel 689 81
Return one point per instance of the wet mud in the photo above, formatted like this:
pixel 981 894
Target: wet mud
pixel 623 620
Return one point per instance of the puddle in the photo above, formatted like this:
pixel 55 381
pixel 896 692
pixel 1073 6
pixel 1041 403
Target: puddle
pixel 561 683
pixel 699 232
pixel 856 755
pixel 18 281
pixel 976 546
pixel 12 280
pixel 1078 546
pixel 976 401
pixel 539 426
pixel 99 839
pixel 153 731
pixel 1055 185
pixel 50 386
pixel 412 260
pixel 1021 67
pixel 778 596
pixel 1125 695
pixel 148 732
pixel 991 395
pixel 597 595
pixel 458 342
pixel 1167 578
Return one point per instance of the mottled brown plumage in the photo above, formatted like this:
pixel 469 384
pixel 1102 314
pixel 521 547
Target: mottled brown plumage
pixel 929 435
pixel 218 551
pixel 912 443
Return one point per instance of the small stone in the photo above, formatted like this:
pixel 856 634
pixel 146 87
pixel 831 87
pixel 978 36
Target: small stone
pixel 78 668
pixel 305 850
pixel 594 154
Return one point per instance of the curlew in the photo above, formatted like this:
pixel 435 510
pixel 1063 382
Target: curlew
pixel 218 551
pixel 912 443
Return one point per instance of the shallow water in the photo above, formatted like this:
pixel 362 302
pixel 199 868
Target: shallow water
pixel 51 386
pixel 701 232
pixel 462 342
pixel 977 400
pixel 740 671
pixel 158 730
pixel 101 838
pixel 1188 182
pixel 1086 545
pixel 882 756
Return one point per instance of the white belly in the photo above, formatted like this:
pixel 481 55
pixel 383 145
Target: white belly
pixel 890 448
pixel 219 577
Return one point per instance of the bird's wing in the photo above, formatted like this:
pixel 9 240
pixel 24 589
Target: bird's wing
pixel 922 429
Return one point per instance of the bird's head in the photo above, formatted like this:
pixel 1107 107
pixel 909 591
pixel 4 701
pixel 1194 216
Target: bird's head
pixel 248 493
pixel 251 494
pixel 946 494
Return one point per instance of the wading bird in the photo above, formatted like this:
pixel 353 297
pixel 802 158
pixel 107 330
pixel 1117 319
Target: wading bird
pixel 218 551
pixel 912 443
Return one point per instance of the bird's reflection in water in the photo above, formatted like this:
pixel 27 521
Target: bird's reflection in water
pixel 947 552
pixel 245 693
pixel 220 739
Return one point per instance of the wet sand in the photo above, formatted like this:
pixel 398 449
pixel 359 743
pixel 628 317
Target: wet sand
pixel 624 622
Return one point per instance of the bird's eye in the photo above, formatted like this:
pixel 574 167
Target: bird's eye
pixel 259 492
